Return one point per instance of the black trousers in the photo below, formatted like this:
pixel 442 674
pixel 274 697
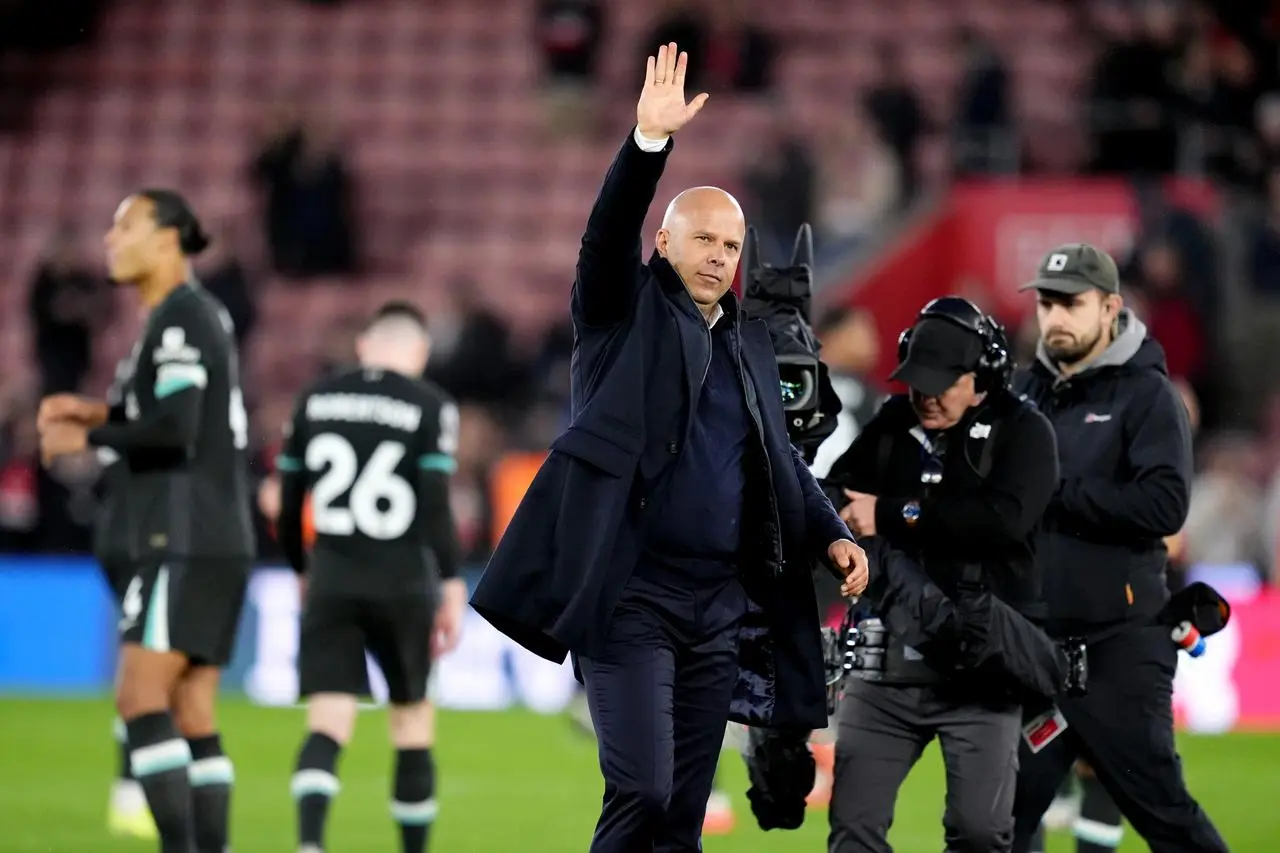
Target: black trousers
pixel 659 696
pixel 883 730
pixel 1124 728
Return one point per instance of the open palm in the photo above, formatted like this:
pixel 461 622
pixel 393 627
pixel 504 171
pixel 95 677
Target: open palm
pixel 662 110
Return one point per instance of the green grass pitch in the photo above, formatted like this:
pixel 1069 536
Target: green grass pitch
pixel 508 782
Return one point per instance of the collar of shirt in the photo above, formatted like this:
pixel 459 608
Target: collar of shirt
pixel 715 317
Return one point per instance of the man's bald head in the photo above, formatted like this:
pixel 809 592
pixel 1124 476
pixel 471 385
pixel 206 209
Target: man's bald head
pixel 694 200
pixel 701 237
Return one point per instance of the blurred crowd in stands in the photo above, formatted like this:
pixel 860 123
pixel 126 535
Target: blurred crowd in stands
pixel 1182 87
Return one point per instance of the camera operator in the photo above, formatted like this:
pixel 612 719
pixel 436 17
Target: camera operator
pixel 954 476
pixel 1125 448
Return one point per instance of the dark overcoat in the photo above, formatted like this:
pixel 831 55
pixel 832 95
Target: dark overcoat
pixel 641 351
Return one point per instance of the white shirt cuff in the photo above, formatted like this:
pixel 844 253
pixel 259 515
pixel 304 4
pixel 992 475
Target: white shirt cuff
pixel 653 146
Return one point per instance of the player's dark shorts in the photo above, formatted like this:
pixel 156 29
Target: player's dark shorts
pixel 190 606
pixel 338 628
pixel 118 571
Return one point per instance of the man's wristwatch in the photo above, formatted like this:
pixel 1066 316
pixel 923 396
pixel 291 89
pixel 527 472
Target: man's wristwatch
pixel 911 513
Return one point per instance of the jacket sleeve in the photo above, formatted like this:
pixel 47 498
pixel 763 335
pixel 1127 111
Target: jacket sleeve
pixel 1004 508
pixel 609 260
pixel 822 523
pixel 1152 502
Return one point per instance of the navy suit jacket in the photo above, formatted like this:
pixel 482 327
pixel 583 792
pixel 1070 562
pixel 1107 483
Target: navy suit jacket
pixel 641 349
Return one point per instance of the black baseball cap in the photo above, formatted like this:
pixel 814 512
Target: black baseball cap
pixel 938 354
pixel 1076 268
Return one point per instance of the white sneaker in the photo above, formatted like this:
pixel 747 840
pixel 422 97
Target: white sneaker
pixel 128 814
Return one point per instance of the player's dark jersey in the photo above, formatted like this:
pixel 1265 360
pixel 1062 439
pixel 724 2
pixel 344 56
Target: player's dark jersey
pixel 192 502
pixel 362 440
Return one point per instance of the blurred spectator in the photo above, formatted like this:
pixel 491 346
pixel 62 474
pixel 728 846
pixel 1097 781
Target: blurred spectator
pixel 983 132
pixel 1170 315
pixel 67 306
pixel 550 374
pixel 307 198
pixel 858 185
pixel 470 349
pixel 1160 220
pixel 893 106
pixel 727 49
pixel 224 275
pixel 570 33
pixel 850 349
pixel 1265 250
pixel 1224 524
pixel 1232 154
pixel 480 444
pixel 779 189
pixel 1133 89
pixel 1268 127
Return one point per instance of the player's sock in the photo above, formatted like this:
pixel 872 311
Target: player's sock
pixel 127 812
pixel 211 775
pixel 1100 827
pixel 160 757
pixel 315 783
pixel 413 801
pixel 124 772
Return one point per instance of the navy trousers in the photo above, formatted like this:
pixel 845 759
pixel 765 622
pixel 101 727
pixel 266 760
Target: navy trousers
pixel 659 696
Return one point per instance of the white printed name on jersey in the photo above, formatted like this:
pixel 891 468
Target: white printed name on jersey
pixel 365 408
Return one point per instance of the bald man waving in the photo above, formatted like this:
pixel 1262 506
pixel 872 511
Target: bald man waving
pixel 667 541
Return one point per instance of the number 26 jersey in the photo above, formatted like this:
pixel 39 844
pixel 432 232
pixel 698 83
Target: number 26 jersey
pixel 364 439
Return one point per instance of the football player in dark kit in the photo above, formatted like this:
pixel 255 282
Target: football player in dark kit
pixel 954 476
pixel 375 447
pixel 1125 446
pixel 183 438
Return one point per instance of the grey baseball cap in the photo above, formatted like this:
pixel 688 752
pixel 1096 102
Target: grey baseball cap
pixel 1076 268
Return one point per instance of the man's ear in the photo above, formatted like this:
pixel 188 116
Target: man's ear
pixel 1114 303
pixel 660 241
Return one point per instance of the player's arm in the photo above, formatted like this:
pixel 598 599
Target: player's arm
pixel 291 466
pixel 173 361
pixel 436 465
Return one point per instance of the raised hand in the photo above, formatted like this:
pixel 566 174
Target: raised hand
pixel 662 110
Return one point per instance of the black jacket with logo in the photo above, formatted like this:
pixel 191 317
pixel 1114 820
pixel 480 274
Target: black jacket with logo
pixel 1124 448
pixel 999 468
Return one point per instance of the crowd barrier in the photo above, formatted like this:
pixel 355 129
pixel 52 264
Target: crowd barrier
pixel 57 630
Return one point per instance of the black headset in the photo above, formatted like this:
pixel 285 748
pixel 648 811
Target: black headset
pixel 994 368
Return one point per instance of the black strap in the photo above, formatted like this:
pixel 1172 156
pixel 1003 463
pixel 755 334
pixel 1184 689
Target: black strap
pixel 884 449
pixel 988 451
